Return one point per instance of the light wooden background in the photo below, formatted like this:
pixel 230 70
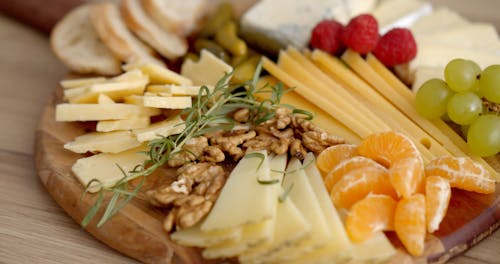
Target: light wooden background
pixel 33 229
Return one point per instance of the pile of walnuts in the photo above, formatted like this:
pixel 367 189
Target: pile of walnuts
pixel 199 177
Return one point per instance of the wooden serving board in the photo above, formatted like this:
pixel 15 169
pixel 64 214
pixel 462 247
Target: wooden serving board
pixel 137 229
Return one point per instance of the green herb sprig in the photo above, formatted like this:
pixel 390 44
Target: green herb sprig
pixel 209 113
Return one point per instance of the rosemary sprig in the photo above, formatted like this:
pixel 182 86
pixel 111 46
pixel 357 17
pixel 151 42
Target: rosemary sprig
pixel 208 113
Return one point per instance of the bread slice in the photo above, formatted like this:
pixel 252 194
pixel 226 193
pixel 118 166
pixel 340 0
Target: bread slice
pixel 76 43
pixel 180 16
pixel 166 43
pixel 112 30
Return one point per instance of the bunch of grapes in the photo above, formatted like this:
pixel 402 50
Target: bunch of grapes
pixel 468 97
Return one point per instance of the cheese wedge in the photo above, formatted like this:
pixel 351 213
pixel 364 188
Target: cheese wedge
pixel 254 202
pixel 105 167
pixel 440 20
pixel 399 13
pixel 96 112
pixel 425 73
pixel 197 71
pixel 106 142
pixel 165 128
pixel 194 237
pixel 74 83
pixel 162 75
pixel 176 90
pixel 167 102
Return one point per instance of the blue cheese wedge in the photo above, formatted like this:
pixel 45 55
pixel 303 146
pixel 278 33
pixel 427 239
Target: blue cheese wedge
pixel 275 24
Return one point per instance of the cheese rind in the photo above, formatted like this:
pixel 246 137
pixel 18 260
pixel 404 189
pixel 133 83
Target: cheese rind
pixel 104 167
pixel 96 112
pixel 165 128
pixel 106 142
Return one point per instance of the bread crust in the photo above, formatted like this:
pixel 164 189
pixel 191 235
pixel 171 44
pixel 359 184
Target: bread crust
pixel 168 44
pixel 76 43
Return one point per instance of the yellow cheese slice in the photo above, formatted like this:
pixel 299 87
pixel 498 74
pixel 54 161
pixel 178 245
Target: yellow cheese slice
pixel 96 112
pixel 176 90
pixel 130 76
pixel 134 99
pixel 162 75
pixel 106 142
pixel 198 73
pixel 167 102
pixel 105 167
pixel 171 126
pixel 253 202
pixel 104 99
pixel 74 92
pixel 194 237
pixel 135 122
pixel 79 82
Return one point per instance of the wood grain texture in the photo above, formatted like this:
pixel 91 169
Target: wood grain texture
pixel 34 229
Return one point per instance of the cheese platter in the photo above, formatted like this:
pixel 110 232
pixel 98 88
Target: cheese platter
pixel 157 162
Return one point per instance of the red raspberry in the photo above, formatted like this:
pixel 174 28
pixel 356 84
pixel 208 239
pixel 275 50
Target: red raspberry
pixel 361 34
pixel 326 36
pixel 396 47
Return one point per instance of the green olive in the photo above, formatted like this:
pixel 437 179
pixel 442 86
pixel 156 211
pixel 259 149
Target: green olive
pixel 245 70
pixel 223 14
pixel 227 37
pixel 213 47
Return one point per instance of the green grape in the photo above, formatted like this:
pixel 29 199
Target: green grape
pixel 464 108
pixel 461 74
pixel 489 83
pixel 432 98
pixel 483 136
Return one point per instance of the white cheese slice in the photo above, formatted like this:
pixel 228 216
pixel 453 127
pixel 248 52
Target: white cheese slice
pixel 176 90
pixel 194 237
pixel 293 23
pixel 304 197
pixel 440 20
pixel 400 13
pixel 171 126
pixel 167 102
pixel 198 73
pixel 253 202
pixel 254 233
pixel 135 122
pixel 105 167
pixel 357 7
pixel 79 82
pixel 96 112
pixel 425 73
pixel 161 75
pixel 106 142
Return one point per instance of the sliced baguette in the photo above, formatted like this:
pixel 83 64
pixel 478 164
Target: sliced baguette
pixel 177 16
pixel 114 33
pixel 76 43
pixel 166 43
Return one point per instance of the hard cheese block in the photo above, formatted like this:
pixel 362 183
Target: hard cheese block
pixel 107 142
pixel 195 237
pixel 105 167
pixel 254 202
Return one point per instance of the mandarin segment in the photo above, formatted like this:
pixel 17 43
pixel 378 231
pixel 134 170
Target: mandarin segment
pixel 331 156
pixel 370 215
pixel 346 166
pixel 358 183
pixel 437 199
pixel 398 153
pixel 462 173
pixel 409 223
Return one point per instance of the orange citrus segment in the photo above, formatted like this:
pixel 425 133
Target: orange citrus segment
pixel 463 173
pixel 409 223
pixel 398 153
pixel 437 198
pixel 346 166
pixel 330 157
pixel 368 216
pixel 358 183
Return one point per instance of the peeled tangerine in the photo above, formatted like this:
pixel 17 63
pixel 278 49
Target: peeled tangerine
pixel 331 156
pixel 462 173
pixel 437 199
pixel 398 153
pixel 358 183
pixel 346 166
pixel 373 214
pixel 409 223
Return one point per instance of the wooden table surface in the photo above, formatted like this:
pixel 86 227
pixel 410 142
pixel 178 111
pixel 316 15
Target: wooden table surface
pixel 32 226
